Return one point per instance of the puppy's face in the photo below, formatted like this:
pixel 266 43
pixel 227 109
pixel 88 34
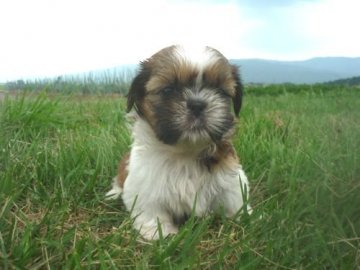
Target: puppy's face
pixel 186 96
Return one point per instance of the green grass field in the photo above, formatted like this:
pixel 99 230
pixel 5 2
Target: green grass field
pixel 300 146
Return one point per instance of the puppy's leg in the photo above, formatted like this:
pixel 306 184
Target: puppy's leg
pixel 233 199
pixel 149 220
pixel 115 190
pixel 119 180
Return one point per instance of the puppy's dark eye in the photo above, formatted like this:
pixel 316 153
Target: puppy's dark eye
pixel 167 91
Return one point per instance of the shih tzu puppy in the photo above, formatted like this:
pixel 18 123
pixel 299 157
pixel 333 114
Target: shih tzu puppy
pixel 185 106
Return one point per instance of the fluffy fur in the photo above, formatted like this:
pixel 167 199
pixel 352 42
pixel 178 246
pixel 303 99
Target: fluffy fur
pixel 185 103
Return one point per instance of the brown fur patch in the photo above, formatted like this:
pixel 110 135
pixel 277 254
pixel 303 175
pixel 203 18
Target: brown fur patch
pixel 147 109
pixel 223 156
pixel 168 69
pixel 123 170
pixel 219 75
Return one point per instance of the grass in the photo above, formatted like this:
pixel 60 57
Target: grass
pixel 300 149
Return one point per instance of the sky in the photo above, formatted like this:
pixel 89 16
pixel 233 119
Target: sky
pixel 48 38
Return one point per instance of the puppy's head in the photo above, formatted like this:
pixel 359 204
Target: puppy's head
pixel 186 96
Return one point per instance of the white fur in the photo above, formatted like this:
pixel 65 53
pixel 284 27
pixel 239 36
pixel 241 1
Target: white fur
pixel 200 56
pixel 166 181
pixel 197 55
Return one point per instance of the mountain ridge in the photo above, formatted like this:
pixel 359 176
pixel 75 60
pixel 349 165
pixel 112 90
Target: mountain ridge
pixel 314 70
pixel 257 70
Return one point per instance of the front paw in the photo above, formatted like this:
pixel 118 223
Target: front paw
pixel 150 230
pixel 115 191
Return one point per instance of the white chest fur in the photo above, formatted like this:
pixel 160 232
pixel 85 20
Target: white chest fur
pixel 166 183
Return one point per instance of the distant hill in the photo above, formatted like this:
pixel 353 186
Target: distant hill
pixel 315 70
pixel 354 81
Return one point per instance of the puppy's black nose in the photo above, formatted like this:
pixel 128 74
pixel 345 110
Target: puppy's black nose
pixel 196 106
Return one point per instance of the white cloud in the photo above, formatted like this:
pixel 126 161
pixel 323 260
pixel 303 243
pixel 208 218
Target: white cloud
pixel 332 27
pixel 50 37
pixel 54 37
pixel 301 29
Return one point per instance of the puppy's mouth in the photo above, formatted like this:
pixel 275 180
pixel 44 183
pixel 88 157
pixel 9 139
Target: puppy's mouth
pixel 199 129
pixel 196 124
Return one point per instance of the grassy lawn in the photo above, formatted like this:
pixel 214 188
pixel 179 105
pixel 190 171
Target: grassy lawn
pixel 300 147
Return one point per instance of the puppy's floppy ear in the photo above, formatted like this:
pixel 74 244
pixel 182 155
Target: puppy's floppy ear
pixel 239 89
pixel 137 89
